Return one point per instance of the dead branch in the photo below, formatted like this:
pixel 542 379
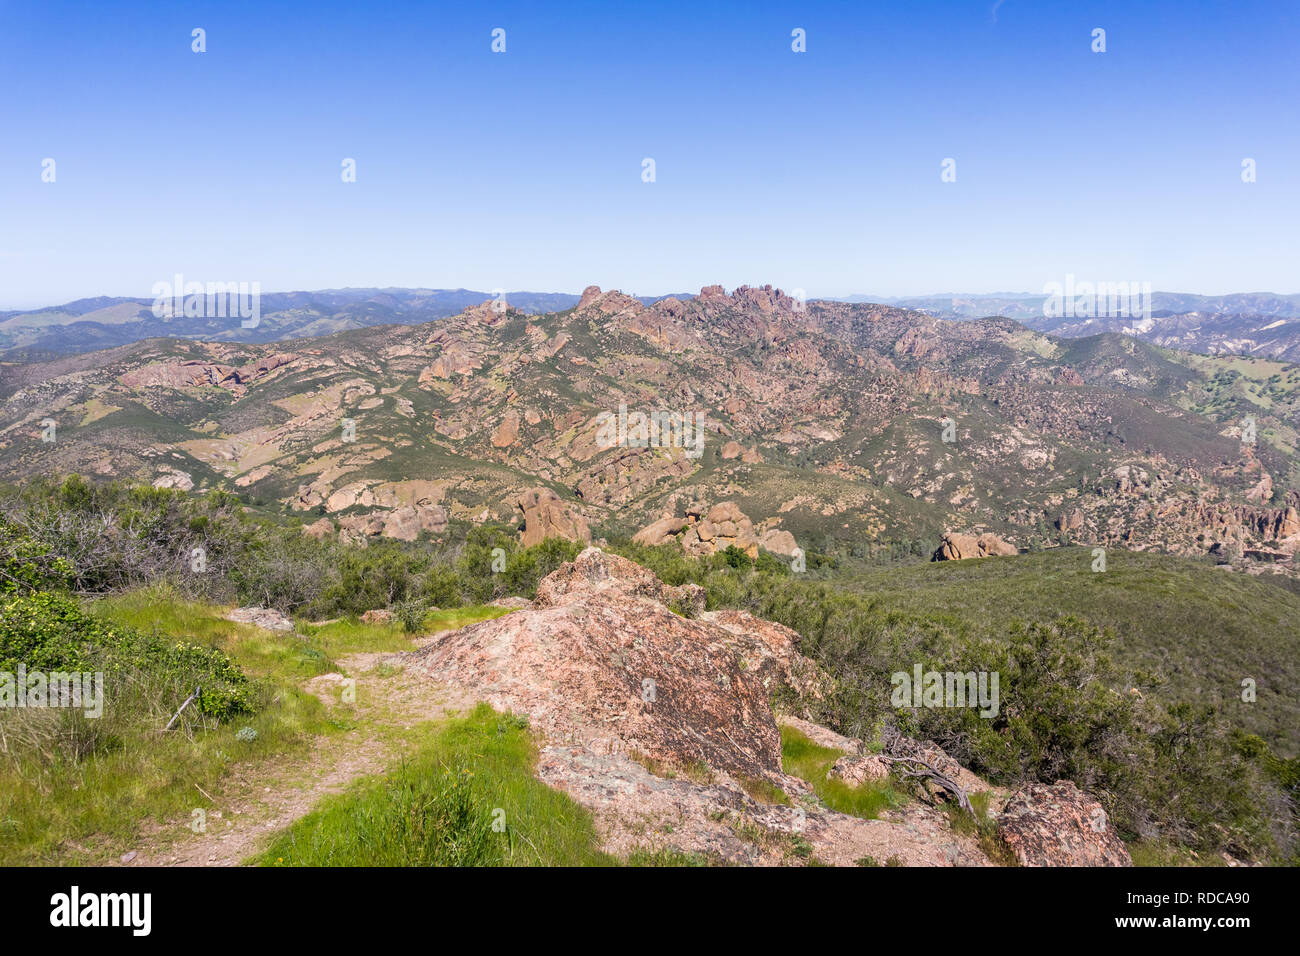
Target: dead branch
pixel 925 770
pixel 188 700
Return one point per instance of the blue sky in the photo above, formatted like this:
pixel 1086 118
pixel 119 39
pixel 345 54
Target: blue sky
pixel 818 171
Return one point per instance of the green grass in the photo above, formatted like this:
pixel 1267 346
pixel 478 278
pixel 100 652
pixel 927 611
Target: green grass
pixel 313 651
pixel 809 761
pixel 62 811
pixel 466 796
pixel 56 810
pixel 1161 853
pixel 348 635
pixel 762 790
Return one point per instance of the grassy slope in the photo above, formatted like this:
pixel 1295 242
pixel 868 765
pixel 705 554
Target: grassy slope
pixel 58 812
pixel 1204 629
pixel 467 797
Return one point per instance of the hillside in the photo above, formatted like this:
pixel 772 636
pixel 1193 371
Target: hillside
pixel 831 425
pixel 1201 630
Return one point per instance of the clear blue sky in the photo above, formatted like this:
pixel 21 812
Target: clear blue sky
pixel 522 170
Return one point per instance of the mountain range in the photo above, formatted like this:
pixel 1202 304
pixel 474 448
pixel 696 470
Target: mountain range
pixel 827 426
pixel 1261 324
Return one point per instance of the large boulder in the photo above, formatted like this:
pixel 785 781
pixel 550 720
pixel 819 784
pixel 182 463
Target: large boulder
pixel 959 547
pixel 545 515
pixel 599 655
pixel 704 532
pixel 1060 825
pixel 661 531
pixel 269 619
pixel 662 726
pixel 319 529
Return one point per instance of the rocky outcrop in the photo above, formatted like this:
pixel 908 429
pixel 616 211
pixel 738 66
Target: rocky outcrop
pixel 1060 825
pixel 507 432
pixel 600 653
pixel 661 532
pixel 545 515
pixel 703 532
pixel 857 769
pixel 266 618
pixel 649 717
pixel 626 474
pixel 404 523
pixel 174 479
pixel 195 373
pixel 959 547
pixel 1070 522
pixel 778 542
pixel 320 529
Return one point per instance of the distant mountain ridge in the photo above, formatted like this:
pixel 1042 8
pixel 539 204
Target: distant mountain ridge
pixel 1261 324
pixel 823 422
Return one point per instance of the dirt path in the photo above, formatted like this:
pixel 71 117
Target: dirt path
pixel 260 799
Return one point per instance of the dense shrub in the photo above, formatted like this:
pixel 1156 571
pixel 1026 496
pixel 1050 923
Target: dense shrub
pixel 48 632
pixel 1164 769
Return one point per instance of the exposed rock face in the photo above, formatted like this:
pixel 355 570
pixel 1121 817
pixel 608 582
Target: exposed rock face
pixel 1059 825
pixel 507 431
pixel 545 515
pixel 404 523
pixel 1071 522
pixel 267 618
pixel 959 547
pixel 196 372
pixel 778 542
pixel 701 533
pixel 319 529
pixel 606 673
pixel 629 473
pixel 357 529
pixel 599 654
pixel 856 770
pixel 174 479
pixel 661 531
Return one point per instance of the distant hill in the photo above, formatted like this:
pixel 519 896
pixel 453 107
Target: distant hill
pixel 824 421
pixel 1260 324
pixel 1253 323
pixel 104 322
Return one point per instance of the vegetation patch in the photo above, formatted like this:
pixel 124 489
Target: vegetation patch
pixel 466 797
pixel 809 761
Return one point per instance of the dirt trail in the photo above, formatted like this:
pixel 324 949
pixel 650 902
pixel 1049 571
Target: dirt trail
pixel 260 799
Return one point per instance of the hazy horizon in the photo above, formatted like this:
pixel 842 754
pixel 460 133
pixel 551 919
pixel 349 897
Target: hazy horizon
pixel 817 170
